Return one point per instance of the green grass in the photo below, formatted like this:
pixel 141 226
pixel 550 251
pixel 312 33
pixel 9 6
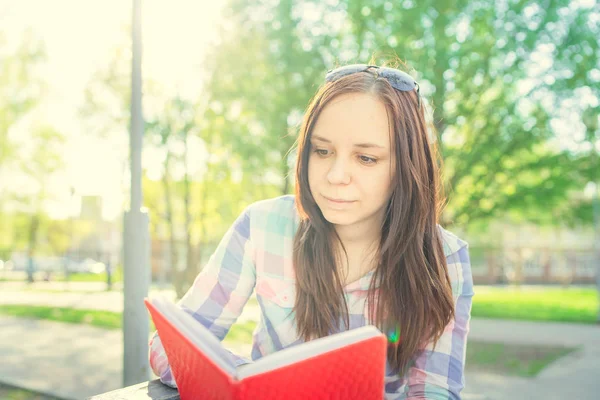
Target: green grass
pixel 59 276
pixel 241 332
pixel 519 360
pixel 117 276
pixel 253 301
pixel 68 290
pixel 13 393
pixel 536 304
pixel 102 319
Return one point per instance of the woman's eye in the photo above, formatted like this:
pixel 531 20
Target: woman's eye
pixel 367 160
pixel 321 152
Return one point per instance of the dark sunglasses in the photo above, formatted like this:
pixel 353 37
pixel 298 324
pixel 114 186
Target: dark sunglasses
pixel 399 80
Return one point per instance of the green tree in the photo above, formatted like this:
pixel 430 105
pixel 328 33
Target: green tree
pixel 266 67
pixel 107 96
pixel 41 158
pixel 191 207
pixel 198 202
pixel 489 69
pixel 20 88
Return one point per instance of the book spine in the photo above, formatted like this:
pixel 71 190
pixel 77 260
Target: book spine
pixel 237 390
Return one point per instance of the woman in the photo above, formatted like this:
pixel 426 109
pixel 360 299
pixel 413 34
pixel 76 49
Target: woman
pixel 358 244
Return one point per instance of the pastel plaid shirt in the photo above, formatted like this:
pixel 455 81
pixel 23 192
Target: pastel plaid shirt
pixel 256 255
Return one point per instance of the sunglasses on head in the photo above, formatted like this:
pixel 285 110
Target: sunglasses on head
pixel 399 80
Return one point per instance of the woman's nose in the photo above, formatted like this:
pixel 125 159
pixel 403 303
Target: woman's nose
pixel 339 173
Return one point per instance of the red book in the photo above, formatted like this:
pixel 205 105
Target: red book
pixel 347 365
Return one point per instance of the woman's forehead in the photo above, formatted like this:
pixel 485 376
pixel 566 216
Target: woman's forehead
pixel 356 117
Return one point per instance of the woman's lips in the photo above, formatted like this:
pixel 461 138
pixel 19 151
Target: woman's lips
pixel 338 200
pixel 338 203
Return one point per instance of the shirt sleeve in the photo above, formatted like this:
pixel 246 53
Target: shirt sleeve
pixel 438 374
pixel 218 294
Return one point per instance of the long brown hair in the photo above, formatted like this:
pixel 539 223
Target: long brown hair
pixel 410 290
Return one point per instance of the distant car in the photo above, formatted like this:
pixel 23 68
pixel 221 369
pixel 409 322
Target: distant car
pixel 88 265
pixel 49 264
pixel 18 261
pixel 8 265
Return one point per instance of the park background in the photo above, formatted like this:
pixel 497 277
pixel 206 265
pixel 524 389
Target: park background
pixel 513 90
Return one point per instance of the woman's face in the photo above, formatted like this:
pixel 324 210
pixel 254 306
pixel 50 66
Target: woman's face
pixel 350 168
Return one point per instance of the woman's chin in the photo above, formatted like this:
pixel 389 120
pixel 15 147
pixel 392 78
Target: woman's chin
pixel 337 218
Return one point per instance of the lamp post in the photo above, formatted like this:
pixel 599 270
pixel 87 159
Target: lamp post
pixel 136 238
pixel 591 120
pixel 596 211
pixel 591 192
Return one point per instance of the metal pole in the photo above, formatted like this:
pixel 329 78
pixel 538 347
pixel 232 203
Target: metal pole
pixel 596 210
pixel 136 234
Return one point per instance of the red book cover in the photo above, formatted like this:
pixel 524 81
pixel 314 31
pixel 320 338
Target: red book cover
pixel 348 365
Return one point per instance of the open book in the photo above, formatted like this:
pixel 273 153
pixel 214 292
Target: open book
pixel 347 365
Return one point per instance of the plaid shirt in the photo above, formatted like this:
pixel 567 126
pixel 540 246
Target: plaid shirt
pixel 256 254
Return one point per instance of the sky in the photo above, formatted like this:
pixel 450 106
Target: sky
pixel 79 37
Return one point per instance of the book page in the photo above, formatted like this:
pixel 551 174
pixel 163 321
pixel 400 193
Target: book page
pixel 201 337
pixel 307 350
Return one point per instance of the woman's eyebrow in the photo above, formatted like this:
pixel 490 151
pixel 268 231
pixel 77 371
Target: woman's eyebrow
pixel 320 138
pixel 369 145
pixel 361 145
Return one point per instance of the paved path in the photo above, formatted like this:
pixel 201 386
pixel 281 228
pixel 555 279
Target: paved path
pixel 64 360
pixel 77 361
pixel 91 296
pixel 576 376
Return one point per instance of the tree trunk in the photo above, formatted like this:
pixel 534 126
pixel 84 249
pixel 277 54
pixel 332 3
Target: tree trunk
pixel 171 265
pixel 186 277
pixel 285 170
pixel 440 66
pixel 32 239
pixel 285 150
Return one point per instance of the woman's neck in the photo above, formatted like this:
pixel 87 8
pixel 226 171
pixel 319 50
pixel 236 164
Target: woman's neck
pixel 361 234
pixel 359 237
pixel 359 252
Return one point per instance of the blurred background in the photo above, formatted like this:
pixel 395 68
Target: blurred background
pixel 513 90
